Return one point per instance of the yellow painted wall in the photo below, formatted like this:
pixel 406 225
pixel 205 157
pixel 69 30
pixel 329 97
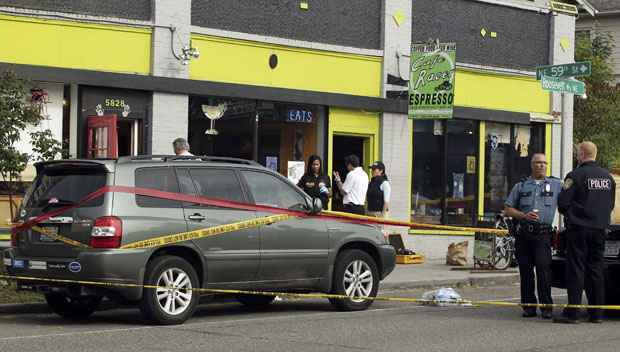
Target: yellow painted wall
pixel 499 92
pixel 69 44
pixel 247 62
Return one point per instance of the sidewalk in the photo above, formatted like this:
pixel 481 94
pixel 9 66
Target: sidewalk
pixel 435 272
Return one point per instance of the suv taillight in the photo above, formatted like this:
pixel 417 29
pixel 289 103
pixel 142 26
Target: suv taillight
pixel 107 232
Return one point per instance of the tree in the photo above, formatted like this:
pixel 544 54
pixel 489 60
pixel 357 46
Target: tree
pixel 597 118
pixel 16 116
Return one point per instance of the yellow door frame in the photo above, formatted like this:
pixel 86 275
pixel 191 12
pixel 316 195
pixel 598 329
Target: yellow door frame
pixel 353 123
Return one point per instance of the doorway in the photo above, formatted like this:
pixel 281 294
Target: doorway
pixel 343 147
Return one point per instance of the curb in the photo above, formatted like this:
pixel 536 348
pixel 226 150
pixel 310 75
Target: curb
pixel 477 281
pixel 22 308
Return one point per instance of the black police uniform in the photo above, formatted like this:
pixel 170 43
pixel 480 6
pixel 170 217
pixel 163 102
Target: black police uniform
pixel 586 201
pixel 533 239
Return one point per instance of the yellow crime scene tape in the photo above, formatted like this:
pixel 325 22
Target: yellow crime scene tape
pixel 500 232
pixel 461 302
pixel 179 237
pixel 256 222
pixel 252 223
pixel 206 232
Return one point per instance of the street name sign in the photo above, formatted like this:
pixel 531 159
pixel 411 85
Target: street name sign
pixel 569 86
pixel 577 69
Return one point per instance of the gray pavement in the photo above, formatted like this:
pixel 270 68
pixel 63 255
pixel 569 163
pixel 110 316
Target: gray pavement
pixel 312 325
pixel 433 273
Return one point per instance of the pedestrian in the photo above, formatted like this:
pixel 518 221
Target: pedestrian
pixel 314 182
pixel 586 201
pixel 181 147
pixel 532 203
pixel 379 190
pixel 355 186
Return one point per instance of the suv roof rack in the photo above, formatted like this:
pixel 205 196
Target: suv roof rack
pixel 164 158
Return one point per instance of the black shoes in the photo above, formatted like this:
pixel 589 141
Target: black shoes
pixel 565 320
pixel 546 314
pixel 529 313
pixel 595 320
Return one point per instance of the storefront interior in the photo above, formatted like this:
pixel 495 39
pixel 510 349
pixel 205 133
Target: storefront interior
pixel 446 172
pixel 273 134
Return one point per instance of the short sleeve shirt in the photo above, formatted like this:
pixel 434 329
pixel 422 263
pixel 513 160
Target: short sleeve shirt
pixel 531 194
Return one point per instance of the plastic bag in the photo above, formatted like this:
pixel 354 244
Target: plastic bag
pixel 443 297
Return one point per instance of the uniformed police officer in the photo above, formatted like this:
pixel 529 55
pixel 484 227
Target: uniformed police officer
pixel 586 201
pixel 532 203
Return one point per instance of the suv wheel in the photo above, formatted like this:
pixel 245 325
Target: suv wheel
pixel 173 302
pixel 72 307
pixel 255 300
pixel 356 276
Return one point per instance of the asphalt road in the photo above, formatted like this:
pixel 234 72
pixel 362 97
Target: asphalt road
pixel 312 325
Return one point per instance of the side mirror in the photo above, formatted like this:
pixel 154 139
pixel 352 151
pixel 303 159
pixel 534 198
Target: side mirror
pixel 317 206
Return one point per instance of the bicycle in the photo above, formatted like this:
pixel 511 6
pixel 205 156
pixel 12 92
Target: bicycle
pixel 504 254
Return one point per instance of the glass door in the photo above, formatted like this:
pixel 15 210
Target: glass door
pixel 102 137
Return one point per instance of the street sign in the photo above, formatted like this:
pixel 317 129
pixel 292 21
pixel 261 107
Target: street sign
pixel 570 86
pixel 576 69
pixel 563 8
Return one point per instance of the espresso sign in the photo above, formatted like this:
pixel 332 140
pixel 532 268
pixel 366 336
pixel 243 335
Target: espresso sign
pixel 431 86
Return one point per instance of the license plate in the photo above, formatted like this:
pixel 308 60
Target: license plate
pixel 51 230
pixel 612 248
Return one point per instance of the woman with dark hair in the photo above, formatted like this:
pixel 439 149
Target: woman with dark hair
pixel 378 195
pixel 314 182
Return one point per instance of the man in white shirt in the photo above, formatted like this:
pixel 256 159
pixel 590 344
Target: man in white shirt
pixel 355 186
pixel 181 147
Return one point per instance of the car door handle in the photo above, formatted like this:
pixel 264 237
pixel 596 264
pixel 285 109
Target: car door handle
pixel 196 217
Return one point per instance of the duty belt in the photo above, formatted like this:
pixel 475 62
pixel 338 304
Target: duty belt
pixel 535 228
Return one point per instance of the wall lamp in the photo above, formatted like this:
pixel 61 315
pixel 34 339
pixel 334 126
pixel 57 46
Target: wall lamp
pixel 187 52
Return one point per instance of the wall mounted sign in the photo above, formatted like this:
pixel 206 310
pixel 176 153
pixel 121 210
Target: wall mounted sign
pixel 431 86
pixel 471 164
pixel 299 115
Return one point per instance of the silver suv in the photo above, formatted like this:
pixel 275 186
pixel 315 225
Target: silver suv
pixel 301 254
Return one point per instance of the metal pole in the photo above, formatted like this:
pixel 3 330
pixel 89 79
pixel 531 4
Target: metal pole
pixel 562 140
pixel 562 157
pixel 255 146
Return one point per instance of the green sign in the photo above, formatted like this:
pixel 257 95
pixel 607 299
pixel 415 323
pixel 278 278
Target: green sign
pixel 431 86
pixel 570 86
pixel 577 69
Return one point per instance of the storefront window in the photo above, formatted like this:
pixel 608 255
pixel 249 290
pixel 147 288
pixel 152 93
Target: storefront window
pixel 461 172
pixel 427 195
pixel 273 134
pixel 509 149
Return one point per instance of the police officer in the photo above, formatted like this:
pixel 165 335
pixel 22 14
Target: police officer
pixel 586 201
pixel 532 203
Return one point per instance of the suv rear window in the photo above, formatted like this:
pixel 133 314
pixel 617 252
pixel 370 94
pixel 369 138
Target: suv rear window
pixel 161 179
pixel 64 188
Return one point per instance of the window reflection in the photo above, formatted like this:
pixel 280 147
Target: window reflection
pixel 426 195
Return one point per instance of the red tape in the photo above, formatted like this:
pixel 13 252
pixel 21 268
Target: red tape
pixel 148 192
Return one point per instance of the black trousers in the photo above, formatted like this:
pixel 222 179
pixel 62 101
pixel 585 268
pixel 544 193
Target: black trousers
pixel 354 209
pixel 585 249
pixel 533 251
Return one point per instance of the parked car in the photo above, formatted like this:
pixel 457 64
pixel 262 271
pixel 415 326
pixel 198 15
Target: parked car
pixel 301 254
pixel 612 256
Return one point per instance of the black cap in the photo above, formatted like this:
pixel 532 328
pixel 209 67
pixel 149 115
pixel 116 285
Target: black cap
pixel 378 165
